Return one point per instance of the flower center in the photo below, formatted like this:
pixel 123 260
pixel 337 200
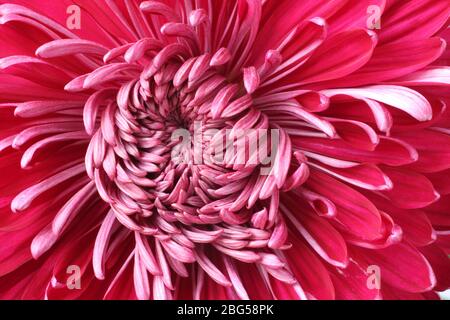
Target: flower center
pixel 178 155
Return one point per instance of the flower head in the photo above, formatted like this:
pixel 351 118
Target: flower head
pixel 225 149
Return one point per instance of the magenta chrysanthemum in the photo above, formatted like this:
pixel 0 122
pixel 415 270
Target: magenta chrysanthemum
pixel 97 178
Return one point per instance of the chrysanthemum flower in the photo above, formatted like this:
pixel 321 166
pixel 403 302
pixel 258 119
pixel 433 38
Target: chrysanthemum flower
pixel 356 205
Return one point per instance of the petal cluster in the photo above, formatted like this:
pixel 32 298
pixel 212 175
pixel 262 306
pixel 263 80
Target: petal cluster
pixel 353 203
